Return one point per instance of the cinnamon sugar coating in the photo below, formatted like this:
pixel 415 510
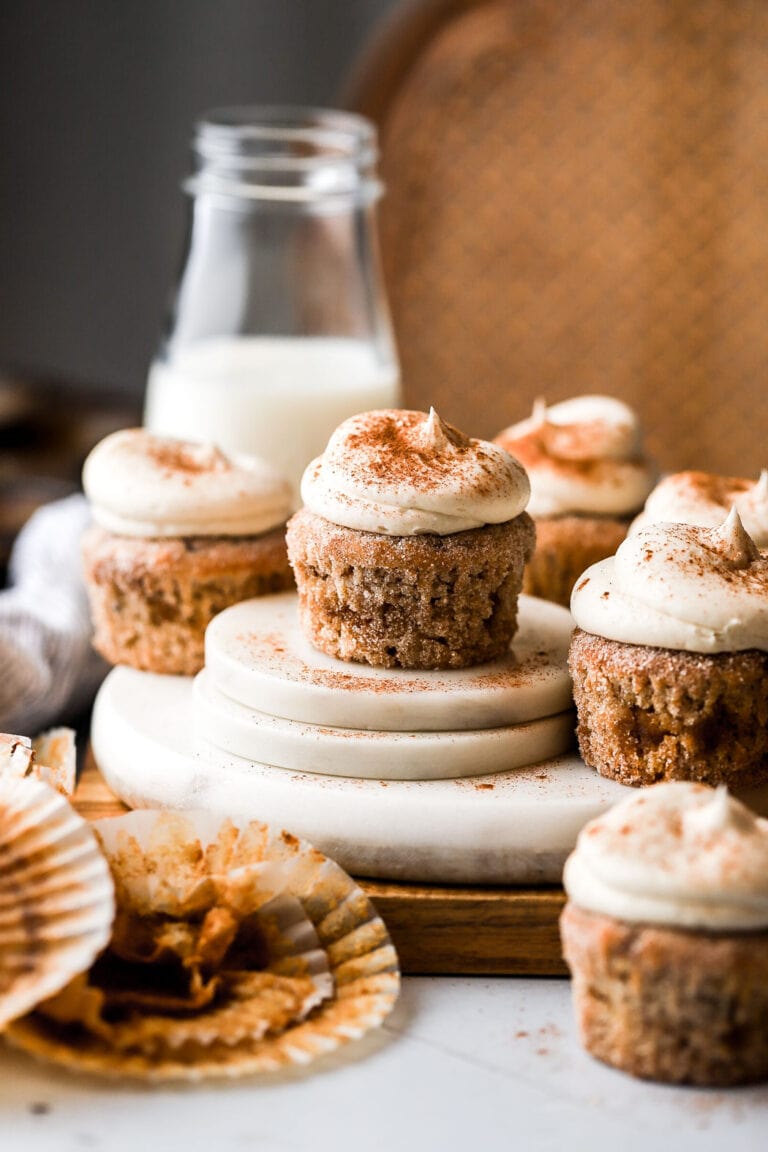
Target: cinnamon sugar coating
pixel 382 447
pixel 409 601
pixel 666 1004
pixel 714 488
pixel 565 547
pixel 650 714
pixel 152 599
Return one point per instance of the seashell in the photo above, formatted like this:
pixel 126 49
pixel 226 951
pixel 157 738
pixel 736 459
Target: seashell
pixel 56 895
pixel 330 972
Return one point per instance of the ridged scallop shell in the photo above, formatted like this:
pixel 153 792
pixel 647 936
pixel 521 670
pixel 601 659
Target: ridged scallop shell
pixel 56 895
pixel 180 864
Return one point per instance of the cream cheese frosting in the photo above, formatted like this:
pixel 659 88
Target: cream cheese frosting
pixel 678 854
pixel 704 499
pixel 402 473
pixel 140 484
pixel 679 586
pixel 583 456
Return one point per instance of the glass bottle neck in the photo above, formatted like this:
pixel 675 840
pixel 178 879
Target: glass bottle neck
pixel 321 159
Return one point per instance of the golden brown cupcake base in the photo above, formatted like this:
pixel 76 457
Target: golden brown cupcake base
pixel 152 599
pixel 565 547
pixel 409 601
pixel 665 1004
pixel 650 714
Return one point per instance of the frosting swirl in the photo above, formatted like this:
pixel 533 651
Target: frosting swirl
pixel 678 854
pixel 679 586
pixel 582 456
pixel 140 484
pixel 401 473
pixel 703 499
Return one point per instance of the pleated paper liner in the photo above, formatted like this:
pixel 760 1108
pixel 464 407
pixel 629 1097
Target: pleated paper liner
pixel 51 757
pixel 56 895
pixel 56 758
pixel 286 958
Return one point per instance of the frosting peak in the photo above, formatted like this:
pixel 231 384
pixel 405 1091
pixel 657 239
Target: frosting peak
pixel 589 428
pixel 733 543
pixel 719 814
pixel 582 455
pixel 140 484
pixel 679 586
pixel 704 499
pixel 434 433
pixel 402 473
pixel 678 854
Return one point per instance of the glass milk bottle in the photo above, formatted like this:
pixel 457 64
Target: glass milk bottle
pixel 279 328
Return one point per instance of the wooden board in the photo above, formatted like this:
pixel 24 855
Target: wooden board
pixel 437 930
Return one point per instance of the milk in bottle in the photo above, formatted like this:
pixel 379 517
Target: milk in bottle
pixel 280 327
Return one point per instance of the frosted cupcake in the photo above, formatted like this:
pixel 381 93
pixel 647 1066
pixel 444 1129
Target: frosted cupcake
pixel 410 549
pixel 181 531
pixel 666 935
pixel 704 499
pixel 670 657
pixel 588 479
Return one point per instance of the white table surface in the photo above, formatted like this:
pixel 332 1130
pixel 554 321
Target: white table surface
pixel 469 1064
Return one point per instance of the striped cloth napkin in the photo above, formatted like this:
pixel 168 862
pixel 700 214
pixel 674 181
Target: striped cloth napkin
pixel 49 670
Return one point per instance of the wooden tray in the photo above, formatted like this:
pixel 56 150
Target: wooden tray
pixel 437 930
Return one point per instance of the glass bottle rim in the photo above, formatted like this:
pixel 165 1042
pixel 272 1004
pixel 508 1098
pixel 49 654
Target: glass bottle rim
pixel 284 152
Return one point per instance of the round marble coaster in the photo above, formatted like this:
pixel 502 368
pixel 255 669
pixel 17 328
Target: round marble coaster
pixel 256 653
pixel 512 827
pixel 363 754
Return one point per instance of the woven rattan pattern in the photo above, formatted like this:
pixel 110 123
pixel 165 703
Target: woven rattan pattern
pixel 578 201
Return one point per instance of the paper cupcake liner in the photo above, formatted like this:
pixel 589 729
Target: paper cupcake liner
pixel 51 757
pixel 331 976
pixel 56 757
pixel 16 755
pixel 56 895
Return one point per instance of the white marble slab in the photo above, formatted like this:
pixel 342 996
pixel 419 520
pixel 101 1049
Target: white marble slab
pixel 512 827
pixel 256 653
pixel 367 755
pixel 468 1063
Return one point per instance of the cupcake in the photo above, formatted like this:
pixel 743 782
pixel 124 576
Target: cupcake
pixel 666 935
pixel 180 532
pixel 670 657
pixel 588 479
pixel 410 549
pixel 704 499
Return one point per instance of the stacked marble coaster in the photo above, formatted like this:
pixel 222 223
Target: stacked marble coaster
pixel 454 777
pixel 267 696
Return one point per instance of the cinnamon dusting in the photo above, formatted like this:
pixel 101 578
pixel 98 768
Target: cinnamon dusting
pixel 193 459
pixel 391 445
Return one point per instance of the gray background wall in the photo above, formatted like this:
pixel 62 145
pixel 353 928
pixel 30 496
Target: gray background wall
pixel 98 99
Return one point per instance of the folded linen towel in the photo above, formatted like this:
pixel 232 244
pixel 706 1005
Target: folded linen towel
pixel 49 670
